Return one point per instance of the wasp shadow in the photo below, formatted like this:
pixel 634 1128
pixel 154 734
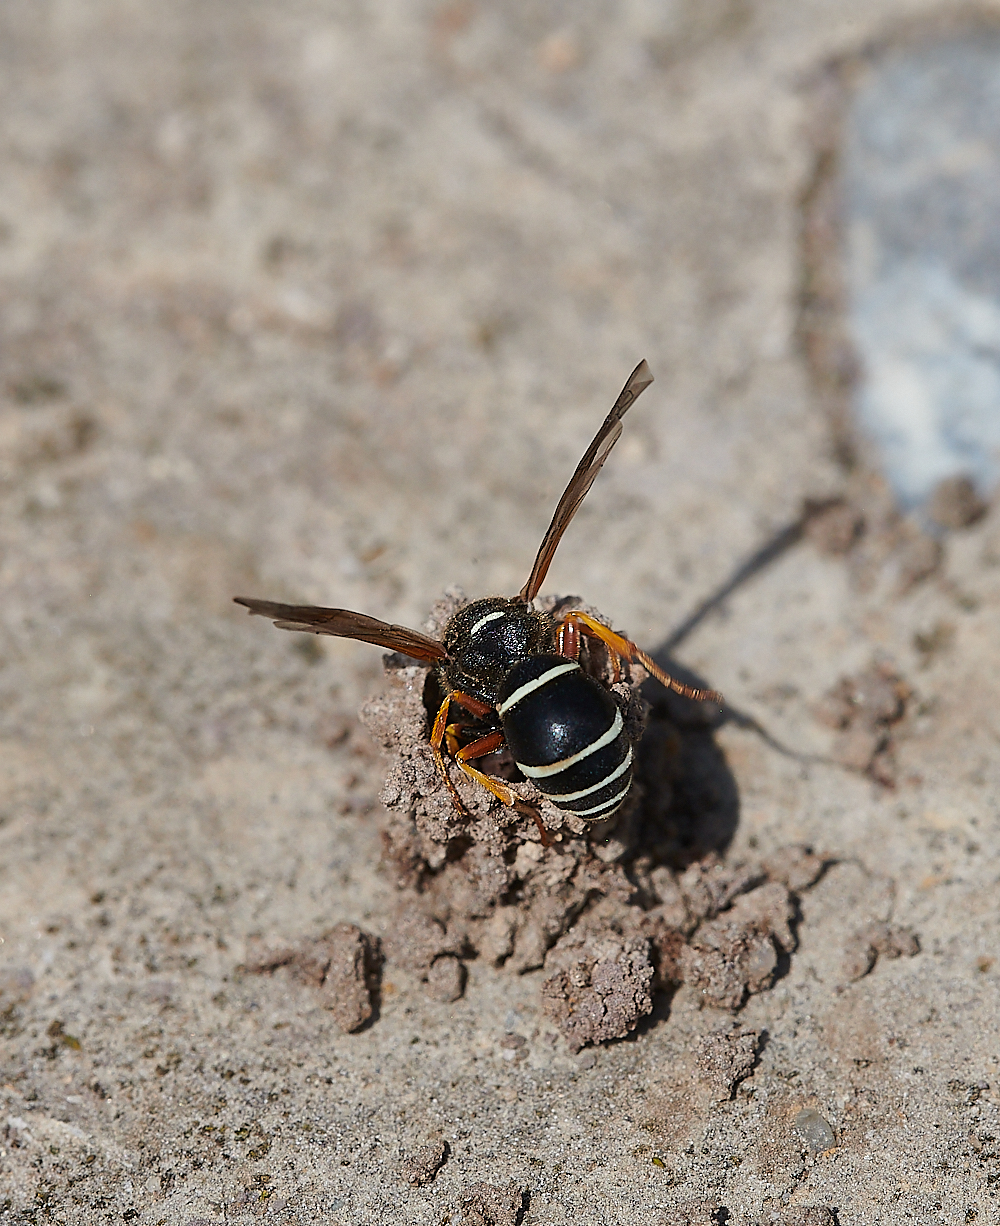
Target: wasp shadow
pixel 691 804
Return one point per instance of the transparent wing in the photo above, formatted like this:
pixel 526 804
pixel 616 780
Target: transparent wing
pixel 342 623
pixel 583 478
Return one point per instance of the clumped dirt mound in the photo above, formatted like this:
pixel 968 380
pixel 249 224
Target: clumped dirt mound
pixel 613 910
pixel 429 827
pixel 344 964
pixel 864 711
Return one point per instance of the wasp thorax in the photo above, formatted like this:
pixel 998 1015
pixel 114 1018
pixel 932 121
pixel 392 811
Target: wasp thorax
pixel 486 638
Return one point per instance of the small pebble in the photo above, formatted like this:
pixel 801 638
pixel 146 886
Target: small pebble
pixel 446 979
pixel 486 1205
pixel 814 1130
pixel 421 1167
pixel 808 1215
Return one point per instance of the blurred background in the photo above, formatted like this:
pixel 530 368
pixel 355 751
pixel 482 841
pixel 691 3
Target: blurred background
pixel 340 297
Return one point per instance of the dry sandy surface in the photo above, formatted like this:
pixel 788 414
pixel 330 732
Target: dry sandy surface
pixel 322 301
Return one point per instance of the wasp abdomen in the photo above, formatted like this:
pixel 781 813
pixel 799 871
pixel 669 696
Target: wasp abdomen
pixel 566 733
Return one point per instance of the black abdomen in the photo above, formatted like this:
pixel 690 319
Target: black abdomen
pixel 566 734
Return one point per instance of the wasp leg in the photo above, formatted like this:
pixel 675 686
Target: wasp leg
pixel 618 645
pixel 479 749
pixel 576 623
pixel 443 733
pixel 451 741
pixel 568 638
pixel 437 737
pixel 474 706
pixel 506 795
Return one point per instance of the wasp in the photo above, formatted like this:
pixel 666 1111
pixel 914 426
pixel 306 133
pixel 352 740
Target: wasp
pixel 514 671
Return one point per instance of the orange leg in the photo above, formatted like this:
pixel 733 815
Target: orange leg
pixel 445 733
pixel 568 644
pixel 451 738
pixel 485 745
pixel 442 729
pixel 479 749
pixel 568 638
pixel 506 795
pixel 621 647
pixel 437 737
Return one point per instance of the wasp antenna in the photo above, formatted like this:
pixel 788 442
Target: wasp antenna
pixel 688 691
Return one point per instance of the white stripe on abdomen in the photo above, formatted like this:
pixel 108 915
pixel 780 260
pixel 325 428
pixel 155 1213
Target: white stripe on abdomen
pixel 613 803
pixel 562 797
pixel 555 768
pixel 529 687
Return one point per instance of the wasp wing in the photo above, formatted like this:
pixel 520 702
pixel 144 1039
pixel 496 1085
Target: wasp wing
pixel 342 623
pixel 583 478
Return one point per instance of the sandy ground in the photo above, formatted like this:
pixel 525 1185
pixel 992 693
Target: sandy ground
pixel 321 302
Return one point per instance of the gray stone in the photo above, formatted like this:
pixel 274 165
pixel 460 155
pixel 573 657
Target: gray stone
pixel 922 177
